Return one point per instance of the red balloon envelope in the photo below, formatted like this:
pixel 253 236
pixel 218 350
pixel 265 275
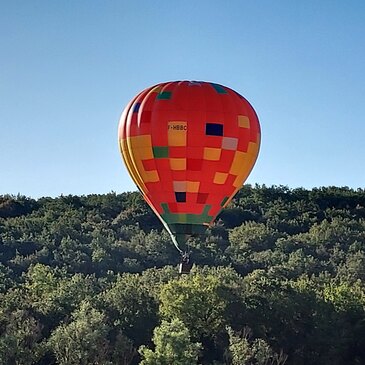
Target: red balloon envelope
pixel 189 146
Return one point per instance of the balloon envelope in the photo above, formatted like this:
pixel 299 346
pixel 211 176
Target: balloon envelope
pixel 188 146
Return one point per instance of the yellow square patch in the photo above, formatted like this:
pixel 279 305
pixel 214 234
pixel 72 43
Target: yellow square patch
pixel 220 177
pixel 140 141
pixel 192 186
pixel 156 89
pixel 178 163
pixel 176 133
pixel 239 163
pixel 243 121
pixel 253 149
pixel 144 153
pixel 238 182
pixel 212 154
pixel 150 176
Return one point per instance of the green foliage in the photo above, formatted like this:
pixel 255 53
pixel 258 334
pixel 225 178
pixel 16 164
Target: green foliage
pixel 131 308
pixel 54 295
pixel 82 341
pixel 172 346
pixel 90 279
pixel 20 341
pixel 11 206
pixel 242 351
pixel 197 301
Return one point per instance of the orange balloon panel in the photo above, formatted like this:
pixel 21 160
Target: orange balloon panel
pixel 189 146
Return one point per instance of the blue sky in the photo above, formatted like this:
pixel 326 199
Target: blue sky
pixel 68 68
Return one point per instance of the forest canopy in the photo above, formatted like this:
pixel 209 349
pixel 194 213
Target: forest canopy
pixel 278 279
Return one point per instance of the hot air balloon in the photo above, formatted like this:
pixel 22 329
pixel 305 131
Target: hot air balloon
pixel 189 146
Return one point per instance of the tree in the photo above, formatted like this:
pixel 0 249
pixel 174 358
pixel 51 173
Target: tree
pixel 253 236
pixel 131 308
pixel 172 346
pixel 82 341
pixel 242 351
pixel 20 339
pixel 198 301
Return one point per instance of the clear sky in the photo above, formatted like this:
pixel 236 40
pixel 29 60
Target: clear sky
pixel 68 68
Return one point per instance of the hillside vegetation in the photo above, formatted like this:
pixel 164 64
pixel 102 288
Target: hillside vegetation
pixel 93 279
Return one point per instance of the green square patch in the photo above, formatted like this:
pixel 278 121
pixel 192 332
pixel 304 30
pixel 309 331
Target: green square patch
pixel 219 88
pixel 224 201
pixel 160 152
pixel 164 95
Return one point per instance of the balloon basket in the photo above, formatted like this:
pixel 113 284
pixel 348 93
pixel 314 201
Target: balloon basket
pixel 185 265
